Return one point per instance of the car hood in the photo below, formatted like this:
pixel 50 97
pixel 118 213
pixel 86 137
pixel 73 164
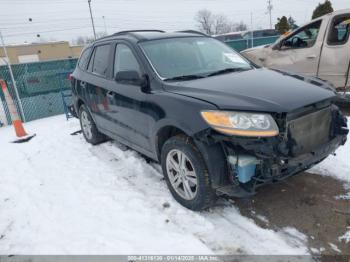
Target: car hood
pixel 255 90
pixel 257 54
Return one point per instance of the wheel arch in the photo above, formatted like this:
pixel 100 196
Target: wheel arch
pixel 163 134
pixel 213 154
pixel 79 103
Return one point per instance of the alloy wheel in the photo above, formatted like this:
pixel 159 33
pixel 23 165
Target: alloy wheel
pixel 86 125
pixel 182 175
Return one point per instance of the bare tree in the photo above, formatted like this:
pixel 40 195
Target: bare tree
pixel 205 21
pixel 215 24
pixel 222 25
pixel 241 26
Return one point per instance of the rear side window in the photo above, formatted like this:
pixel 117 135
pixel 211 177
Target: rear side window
pixel 84 58
pixel 100 60
pixel 339 30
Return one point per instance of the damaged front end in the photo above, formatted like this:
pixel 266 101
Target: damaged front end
pixel 306 137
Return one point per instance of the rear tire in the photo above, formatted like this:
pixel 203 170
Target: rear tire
pixel 88 127
pixel 186 173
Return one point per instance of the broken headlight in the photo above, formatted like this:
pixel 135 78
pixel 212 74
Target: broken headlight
pixel 241 123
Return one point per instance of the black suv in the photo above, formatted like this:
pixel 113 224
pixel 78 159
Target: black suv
pixel 217 124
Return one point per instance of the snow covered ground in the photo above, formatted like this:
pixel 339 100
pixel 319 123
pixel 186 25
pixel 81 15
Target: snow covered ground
pixel 60 195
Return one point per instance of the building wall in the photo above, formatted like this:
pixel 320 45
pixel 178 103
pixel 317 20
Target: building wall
pixel 76 50
pixel 44 51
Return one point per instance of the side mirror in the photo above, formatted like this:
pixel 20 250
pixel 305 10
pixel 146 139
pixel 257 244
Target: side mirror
pixel 133 78
pixel 128 77
pixel 277 46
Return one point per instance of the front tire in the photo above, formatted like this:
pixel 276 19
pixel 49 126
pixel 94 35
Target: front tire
pixel 186 173
pixel 88 127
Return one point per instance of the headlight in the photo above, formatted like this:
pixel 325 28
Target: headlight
pixel 241 123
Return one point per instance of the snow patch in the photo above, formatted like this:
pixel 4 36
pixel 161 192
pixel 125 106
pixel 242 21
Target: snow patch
pixel 262 218
pixel 334 247
pixel 293 236
pixel 345 237
pixel 344 197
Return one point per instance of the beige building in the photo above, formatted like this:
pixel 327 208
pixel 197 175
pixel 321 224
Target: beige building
pixel 25 53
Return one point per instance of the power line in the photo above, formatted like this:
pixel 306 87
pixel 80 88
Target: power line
pixel 43 21
pixel 48 31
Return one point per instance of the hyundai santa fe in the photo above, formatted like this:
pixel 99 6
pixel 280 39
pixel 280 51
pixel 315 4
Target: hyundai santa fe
pixel 218 124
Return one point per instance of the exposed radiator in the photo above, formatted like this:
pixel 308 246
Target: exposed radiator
pixel 310 131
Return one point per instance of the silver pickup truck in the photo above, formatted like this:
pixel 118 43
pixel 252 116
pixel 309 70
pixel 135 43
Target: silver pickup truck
pixel 320 48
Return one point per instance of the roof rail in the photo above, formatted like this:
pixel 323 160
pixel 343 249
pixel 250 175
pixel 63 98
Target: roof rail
pixel 137 31
pixel 192 32
pixel 129 32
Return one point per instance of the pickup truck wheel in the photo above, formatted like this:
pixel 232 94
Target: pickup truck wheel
pixel 88 126
pixel 186 173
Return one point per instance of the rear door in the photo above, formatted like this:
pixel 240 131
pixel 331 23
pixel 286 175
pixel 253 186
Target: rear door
pixel 335 57
pixel 78 85
pixel 98 83
pixel 300 51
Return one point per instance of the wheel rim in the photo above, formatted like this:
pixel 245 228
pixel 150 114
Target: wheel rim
pixel 182 175
pixel 86 125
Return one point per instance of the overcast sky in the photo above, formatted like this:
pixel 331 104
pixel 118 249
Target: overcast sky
pixel 67 19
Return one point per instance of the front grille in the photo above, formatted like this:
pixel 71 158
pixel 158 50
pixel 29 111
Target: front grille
pixel 310 131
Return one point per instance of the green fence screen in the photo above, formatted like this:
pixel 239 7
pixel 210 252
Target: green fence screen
pixel 240 45
pixel 39 85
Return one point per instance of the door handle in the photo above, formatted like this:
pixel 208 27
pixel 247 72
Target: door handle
pixel 110 94
pixel 311 57
pixel 83 84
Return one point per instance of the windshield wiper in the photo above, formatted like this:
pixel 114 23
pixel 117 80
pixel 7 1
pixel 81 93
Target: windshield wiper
pixel 184 77
pixel 228 70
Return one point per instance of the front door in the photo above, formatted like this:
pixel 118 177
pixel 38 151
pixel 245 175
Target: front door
pixel 128 102
pixel 335 58
pixel 299 52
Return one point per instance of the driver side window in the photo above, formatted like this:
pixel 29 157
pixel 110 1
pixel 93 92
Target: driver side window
pixel 304 38
pixel 125 60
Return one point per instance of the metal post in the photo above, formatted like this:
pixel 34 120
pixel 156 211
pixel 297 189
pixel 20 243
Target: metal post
pixel 12 77
pixel 104 21
pixel 92 19
pixel 269 9
pixel 251 28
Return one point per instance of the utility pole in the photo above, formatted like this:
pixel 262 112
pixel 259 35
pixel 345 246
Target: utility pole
pixel 92 19
pixel 12 77
pixel 269 10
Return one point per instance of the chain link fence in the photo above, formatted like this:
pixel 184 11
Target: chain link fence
pixel 39 85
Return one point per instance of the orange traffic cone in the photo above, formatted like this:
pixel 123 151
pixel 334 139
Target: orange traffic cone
pixel 16 120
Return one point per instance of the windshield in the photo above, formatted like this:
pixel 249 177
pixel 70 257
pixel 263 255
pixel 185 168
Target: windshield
pixel 192 56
